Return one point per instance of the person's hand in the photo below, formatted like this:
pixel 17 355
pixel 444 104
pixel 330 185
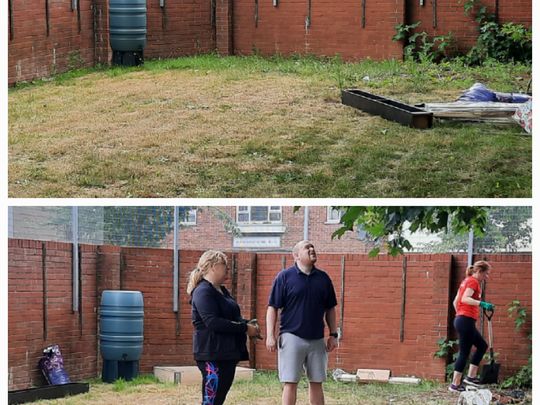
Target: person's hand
pixel 331 343
pixel 488 306
pixel 271 344
pixel 253 330
pixel 254 322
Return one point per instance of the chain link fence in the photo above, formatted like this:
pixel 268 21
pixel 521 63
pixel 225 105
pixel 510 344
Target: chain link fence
pixel 509 229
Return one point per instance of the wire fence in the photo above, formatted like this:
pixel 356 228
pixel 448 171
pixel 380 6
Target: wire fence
pixel 509 229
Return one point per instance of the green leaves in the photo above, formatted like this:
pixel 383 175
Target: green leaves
pixel 385 226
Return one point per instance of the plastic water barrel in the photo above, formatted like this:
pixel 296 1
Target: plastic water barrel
pixel 121 325
pixel 127 25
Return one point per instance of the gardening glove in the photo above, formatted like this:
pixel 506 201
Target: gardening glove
pixel 487 306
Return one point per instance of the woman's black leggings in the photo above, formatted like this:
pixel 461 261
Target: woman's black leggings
pixel 217 378
pixel 468 336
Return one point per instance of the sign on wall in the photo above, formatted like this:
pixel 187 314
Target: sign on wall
pixel 257 242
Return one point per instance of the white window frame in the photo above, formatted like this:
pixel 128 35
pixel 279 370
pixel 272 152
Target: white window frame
pixel 329 219
pixel 246 209
pixel 185 220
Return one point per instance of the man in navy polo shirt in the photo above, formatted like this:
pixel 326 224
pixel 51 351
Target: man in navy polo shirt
pixel 306 297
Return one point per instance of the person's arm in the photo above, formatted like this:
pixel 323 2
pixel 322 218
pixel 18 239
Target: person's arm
pixel 271 320
pixel 455 302
pixel 467 298
pixel 208 309
pixel 330 316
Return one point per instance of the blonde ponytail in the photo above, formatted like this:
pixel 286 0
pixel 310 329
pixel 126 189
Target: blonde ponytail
pixel 206 261
pixel 480 266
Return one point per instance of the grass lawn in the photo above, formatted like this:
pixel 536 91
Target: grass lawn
pixel 206 126
pixel 263 390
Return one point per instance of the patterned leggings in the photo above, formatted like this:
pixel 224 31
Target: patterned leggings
pixel 217 378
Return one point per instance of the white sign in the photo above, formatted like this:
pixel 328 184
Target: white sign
pixel 257 242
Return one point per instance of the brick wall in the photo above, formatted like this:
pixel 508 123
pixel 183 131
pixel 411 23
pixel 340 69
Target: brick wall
pixel 371 339
pixel 29 332
pixel 181 27
pixel 450 17
pixel 69 42
pixel 190 27
pixel 336 28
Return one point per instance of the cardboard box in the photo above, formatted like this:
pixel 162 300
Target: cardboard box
pixel 372 375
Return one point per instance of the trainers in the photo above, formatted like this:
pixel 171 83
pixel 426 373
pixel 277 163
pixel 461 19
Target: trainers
pixel 474 381
pixel 456 388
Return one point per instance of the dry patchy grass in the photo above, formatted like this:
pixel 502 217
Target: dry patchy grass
pixel 245 133
pixel 264 390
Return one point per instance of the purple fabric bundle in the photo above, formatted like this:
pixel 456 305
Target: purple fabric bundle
pixel 479 92
pixel 52 366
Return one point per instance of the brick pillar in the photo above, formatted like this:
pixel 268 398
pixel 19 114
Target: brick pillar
pixel 247 294
pixel 224 27
pixel 108 268
pixel 102 49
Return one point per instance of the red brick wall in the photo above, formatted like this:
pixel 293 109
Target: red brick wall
pixel 75 334
pixel 34 54
pixel 336 28
pixel 450 16
pixel 370 337
pixel 185 28
pixel 182 27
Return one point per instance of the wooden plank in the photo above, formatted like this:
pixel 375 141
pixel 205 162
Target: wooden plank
pixel 481 111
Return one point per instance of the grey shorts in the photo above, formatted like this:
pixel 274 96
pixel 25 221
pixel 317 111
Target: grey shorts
pixel 296 353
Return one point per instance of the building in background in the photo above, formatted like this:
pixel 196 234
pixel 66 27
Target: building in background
pixel 248 228
pixel 268 228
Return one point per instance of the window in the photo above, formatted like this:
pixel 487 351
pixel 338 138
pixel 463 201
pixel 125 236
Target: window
pixel 188 216
pixel 333 216
pixel 258 215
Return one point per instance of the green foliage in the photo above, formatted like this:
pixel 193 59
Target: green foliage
pixel 521 313
pixel 508 42
pixel 447 348
pixel 523 378
pixel 507 229
pixel 385 225
pixel 419 46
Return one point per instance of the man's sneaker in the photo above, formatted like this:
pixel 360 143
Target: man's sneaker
pixel 456 388
pixel 474 381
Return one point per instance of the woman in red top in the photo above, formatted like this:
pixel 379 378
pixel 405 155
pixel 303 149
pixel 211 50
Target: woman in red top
pixel 467 305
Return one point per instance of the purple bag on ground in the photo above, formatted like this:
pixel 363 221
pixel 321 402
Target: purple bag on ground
pixel 480 93
pixel 52 366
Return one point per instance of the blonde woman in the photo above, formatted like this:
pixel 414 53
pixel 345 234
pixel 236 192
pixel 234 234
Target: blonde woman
pixel 467 304
pixel 219 339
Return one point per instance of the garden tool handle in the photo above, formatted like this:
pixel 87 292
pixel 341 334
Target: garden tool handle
pixel 489 315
